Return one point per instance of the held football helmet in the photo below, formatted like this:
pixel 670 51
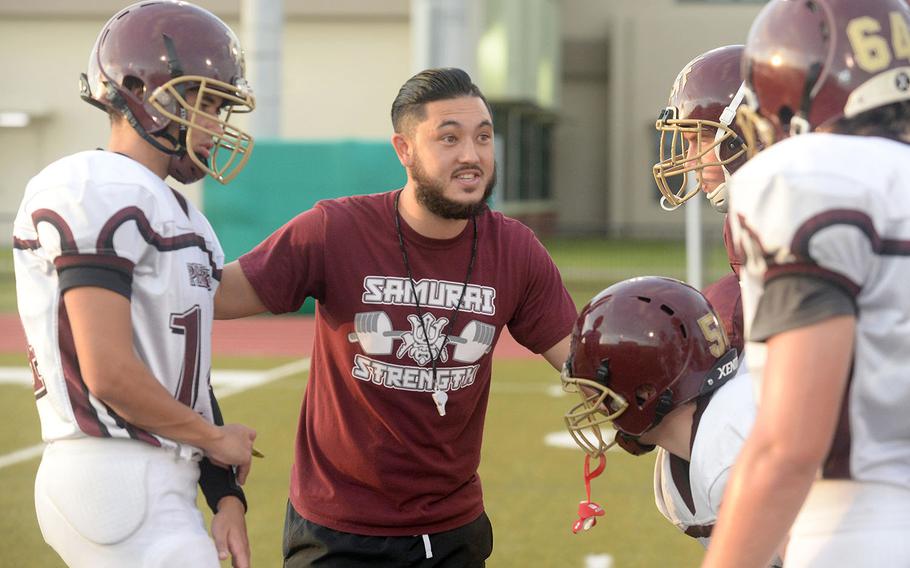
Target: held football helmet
pixel 162 50
pixel 640 349
pixel 809 63
pixel 703 104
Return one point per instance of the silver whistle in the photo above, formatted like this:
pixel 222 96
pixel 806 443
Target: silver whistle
pixel 440 398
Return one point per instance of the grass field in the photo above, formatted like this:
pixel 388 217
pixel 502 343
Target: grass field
pixel 531 489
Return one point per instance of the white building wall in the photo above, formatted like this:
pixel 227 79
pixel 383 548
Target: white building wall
pixel 648 42
pixel 344 61
pixel 340 77
pixel 343 65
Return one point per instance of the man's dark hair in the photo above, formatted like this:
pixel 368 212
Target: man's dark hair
pixel 428 86
pixel 889 121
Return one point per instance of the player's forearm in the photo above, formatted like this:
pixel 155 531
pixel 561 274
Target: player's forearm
pixel 803 385
pixel 763 497
pixel 133 393
pixel 101 325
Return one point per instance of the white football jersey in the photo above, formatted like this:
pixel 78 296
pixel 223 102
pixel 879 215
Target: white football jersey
pixel 837 208
pixel 103 219
pixel 689 494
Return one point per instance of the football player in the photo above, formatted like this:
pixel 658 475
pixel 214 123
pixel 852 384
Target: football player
pixel 651 357
pixel 699 134
pixel 116 274
pixel 823 218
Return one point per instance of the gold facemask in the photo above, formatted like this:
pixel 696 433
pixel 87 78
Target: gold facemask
pixel 599 405
pixel 232 146
pixel 678 159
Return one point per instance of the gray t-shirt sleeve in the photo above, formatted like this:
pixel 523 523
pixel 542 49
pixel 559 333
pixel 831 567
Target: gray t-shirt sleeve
pixel 797 300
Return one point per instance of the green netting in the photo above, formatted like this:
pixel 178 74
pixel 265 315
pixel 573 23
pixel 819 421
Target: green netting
pixel 284 178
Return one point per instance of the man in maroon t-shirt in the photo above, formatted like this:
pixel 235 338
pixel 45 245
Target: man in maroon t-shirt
pixel 413 287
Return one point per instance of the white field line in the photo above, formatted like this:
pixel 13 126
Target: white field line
pixel 525 387
pixel 563 439
pixel 226 383
pixel 22 455
pixel 15 376
pixel 598 561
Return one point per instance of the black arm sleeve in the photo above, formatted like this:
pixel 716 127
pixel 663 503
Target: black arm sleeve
pixel 98 276
pixel 217 482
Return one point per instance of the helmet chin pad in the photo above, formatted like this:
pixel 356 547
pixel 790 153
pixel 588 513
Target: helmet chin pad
pixel 183 169
pixel 632 445
pixel 718 196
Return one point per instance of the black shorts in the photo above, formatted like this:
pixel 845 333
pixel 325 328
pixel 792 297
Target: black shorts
pixel 308 544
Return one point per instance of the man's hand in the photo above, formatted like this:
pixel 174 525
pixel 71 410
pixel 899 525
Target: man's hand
pixel 234 447
pixel 229 532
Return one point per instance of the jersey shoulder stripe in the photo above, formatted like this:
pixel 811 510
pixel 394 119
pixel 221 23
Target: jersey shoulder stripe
pixel 105 244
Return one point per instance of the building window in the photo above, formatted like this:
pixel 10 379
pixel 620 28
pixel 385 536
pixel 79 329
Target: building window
pixel 524 136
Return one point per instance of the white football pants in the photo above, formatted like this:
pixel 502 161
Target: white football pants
pixel 112 503
pixel 850 524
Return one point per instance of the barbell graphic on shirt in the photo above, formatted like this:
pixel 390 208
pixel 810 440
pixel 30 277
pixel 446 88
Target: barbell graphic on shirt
pixel 373 330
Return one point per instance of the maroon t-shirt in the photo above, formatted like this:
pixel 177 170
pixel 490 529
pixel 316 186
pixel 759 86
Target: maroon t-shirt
pixel 373 455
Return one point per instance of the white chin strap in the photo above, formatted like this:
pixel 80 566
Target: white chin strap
pixel 665 205
pixel 718 196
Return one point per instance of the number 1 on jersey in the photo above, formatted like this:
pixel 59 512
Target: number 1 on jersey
pixel 187 324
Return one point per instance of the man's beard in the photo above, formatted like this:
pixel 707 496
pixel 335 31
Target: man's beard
pixel 431 194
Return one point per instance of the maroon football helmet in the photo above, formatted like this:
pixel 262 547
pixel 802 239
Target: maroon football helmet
pixel 163 50
pixel 703 103
pixel 809 63
pixel 725 297
pixel 640 349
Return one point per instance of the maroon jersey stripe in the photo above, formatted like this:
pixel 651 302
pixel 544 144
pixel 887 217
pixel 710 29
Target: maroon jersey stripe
pixel 753 236
pixel 851 217
pixel 105 243
pixel 181 200
pixel 67 241
pixel 679 468
pixel 811 269
pixel 679 471
pixel 837 462
pixel 26 244
pixel 86 416
pixel 134 432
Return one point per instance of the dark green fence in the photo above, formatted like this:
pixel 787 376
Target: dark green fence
pixel 284 178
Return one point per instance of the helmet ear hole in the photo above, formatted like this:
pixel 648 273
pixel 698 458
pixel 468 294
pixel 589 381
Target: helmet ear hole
pixel 644 393
pixel 785 115
pixel 135 85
